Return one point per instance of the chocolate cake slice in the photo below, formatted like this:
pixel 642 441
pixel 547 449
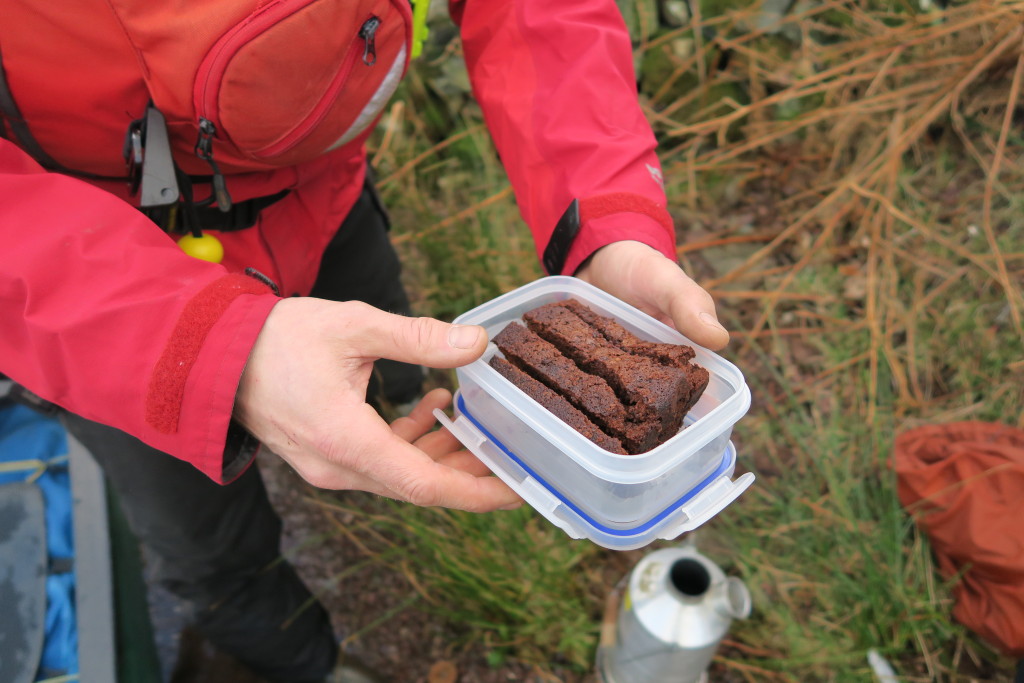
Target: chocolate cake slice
pixel 651 392
pixel 561 408
pixel 620 391
pixel 542 361
pixel 674 355
pixel 590 394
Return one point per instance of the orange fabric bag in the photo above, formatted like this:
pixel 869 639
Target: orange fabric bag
pixel 964 485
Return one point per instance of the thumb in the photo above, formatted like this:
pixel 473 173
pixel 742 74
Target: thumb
pixel 421 341
pixel 693 312
pixel 703 327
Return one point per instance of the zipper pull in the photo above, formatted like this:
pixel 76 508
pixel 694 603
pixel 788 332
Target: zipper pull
pixel 204 150
pixel 367 33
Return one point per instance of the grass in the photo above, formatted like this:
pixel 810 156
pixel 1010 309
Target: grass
pixel 853 201
pixel 501 578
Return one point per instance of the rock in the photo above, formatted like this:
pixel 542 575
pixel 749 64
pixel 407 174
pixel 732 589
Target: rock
pixel 675 13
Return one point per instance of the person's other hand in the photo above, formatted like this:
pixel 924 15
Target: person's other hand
pixel 642 276
pixel 303 394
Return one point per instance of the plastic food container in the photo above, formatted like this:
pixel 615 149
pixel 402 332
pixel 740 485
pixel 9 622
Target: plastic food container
pixel 617 501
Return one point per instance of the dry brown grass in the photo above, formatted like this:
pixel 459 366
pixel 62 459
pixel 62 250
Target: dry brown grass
pixel 853 200
pixel 871 167
pixel 857 215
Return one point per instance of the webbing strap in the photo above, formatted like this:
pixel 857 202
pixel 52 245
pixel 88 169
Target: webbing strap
pixel 33 466
pixel 17 123
pixel 19 128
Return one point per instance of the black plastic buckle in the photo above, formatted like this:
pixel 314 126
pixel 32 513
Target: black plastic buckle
pixel 147 153
pixel 132 153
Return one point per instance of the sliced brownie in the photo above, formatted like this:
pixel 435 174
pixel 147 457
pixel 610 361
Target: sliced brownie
pixel 561 408
pixel 621 392
pixel 674 355
pixel 542 361
pixel 653 393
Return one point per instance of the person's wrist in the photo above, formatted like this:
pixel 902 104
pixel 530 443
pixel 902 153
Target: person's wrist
pixel 622 249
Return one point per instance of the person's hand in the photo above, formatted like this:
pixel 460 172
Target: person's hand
pixel 642 276
pixel 303 394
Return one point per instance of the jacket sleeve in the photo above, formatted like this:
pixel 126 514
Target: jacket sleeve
pixel 556 84
pixel 102 314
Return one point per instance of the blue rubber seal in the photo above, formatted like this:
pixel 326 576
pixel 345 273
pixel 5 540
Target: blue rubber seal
pixel 727 461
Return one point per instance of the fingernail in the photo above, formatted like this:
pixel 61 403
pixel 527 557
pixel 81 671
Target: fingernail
pixel 513 506
pixel 710 321
pixel 463 336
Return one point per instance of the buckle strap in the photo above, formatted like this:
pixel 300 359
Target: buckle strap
pixel 240 216
pixel 182 217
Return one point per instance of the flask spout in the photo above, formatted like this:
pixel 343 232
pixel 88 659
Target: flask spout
pixel 690 577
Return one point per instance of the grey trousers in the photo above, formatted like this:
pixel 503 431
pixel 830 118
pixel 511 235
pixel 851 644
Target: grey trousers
pixel 218 547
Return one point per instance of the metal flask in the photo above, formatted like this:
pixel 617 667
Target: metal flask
pixel 676 608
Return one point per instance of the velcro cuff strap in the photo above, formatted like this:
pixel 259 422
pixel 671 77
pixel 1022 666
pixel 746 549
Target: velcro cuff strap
pixel 167 385
pixel 581 211
pixel 624 202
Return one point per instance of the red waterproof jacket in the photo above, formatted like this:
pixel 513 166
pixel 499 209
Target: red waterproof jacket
pixel 100 311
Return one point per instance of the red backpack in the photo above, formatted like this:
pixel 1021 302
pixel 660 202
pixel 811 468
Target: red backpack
pixel 251 85
pixel 271 83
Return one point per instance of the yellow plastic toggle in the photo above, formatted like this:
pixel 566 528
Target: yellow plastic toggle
pixel 204 247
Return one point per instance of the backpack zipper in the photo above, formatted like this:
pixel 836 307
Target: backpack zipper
pixel 204 150
pixel 368 32
pixel 215 64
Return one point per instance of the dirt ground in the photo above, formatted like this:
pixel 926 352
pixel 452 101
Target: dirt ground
pixel 409 647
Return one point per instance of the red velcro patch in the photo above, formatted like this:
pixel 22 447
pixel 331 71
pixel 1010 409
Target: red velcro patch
pixel 167 386
pixel 618 202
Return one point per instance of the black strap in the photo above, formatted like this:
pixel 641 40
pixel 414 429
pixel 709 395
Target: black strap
pixel 20 131
pixel 18 126
pixel 561 240
pixel 21 395
pixel 188 217
pixel 60 565
pixel 192 218
pixel 242 215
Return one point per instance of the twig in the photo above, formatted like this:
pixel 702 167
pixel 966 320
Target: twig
pixel 723 241
pixel 774 295
pixel 986 221
pixel 925 230
pixel 394 115
pixel 408 166
pixel 465 213
pixel 698 41
pixel 826 233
